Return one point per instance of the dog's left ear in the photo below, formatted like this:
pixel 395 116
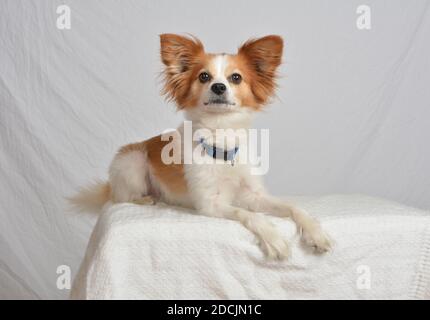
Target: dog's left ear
pixel 263 56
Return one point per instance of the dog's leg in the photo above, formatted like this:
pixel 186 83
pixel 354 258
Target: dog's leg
pixel 257 200
pixel 270 239
pixel 128 178
pixel 312 233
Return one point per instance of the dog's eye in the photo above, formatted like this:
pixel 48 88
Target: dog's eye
pixel 236 78
pixel 204 77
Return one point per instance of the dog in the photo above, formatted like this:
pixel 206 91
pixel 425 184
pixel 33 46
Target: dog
pixel 215 91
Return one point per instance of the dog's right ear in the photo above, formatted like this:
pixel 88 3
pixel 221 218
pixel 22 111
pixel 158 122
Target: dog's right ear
pixel 178 52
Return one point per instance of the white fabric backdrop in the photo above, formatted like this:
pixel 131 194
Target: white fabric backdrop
pixel 353 112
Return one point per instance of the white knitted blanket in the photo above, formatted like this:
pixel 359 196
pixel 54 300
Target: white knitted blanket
pixel 382 251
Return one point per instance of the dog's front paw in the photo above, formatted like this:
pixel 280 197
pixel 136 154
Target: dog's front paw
pixel 276 250
pixel 316 238
pixel 274 246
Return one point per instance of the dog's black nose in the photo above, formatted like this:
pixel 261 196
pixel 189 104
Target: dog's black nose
pixel 218 88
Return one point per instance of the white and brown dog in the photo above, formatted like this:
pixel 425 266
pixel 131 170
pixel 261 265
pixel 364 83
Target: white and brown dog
pixel 215 91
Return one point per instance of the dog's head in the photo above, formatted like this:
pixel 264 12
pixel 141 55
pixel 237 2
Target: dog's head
pixel 220 82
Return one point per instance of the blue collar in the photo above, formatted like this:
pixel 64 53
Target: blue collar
pixel 218 153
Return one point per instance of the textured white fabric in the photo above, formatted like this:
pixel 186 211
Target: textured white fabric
pixel 160 252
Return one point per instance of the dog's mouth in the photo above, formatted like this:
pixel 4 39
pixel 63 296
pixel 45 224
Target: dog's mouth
pixel 219 102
